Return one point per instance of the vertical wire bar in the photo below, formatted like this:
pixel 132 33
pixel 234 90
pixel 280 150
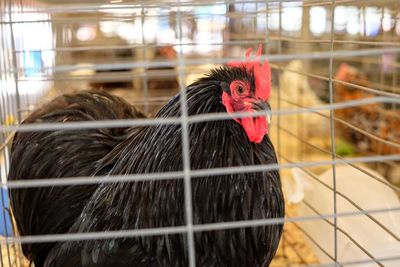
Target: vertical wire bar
pixel 395 78
pixel 185 147
pixel 3 78
pixel 278 141
pixel 7 211
pixel 332 132
pixel 145 78
pixel 1 119
pixel 364 20
pixel 16 84
pixel 14 62
pixel 266 42
pixel 7 104
pixel 285 243
pixel 2 49
pixel 2 110
pixel 226 34
pixel 279 95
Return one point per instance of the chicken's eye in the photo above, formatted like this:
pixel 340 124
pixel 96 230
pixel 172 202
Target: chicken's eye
pixel 239 89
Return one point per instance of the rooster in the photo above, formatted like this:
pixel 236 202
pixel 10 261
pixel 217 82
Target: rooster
pixel 61 153
pixel 239 87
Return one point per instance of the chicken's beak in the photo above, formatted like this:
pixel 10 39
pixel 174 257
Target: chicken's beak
pixel 263 106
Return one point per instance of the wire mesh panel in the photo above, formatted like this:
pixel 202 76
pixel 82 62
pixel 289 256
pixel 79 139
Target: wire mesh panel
pixel 335 128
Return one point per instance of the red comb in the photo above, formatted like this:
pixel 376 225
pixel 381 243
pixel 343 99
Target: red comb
pixel 262 72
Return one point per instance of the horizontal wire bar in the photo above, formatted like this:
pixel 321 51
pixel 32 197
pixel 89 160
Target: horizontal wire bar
pixel 133 16
pixel 85 180
pixel 227 42
pixel 385 87
pixel 388 43
pixel 123 76
pixel 180 229
pixel 119 47
pixel 97 7
pixel 339 41
pixel 271 58
pixel 344 233
pixel 101 124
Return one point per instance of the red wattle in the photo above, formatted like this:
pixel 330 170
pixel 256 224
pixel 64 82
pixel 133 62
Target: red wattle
pixel 255 128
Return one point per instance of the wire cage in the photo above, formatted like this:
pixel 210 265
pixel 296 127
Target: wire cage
pixel 335 105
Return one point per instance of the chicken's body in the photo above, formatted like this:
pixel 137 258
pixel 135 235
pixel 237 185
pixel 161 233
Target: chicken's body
pixel 57 154
pixel 154 204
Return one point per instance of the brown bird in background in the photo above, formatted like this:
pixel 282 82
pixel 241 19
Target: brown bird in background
pixel 372 118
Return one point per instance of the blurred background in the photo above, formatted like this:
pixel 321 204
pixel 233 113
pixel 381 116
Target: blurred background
pixel 321 52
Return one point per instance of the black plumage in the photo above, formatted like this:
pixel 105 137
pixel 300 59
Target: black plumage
pixel 153 204
pixel 62 153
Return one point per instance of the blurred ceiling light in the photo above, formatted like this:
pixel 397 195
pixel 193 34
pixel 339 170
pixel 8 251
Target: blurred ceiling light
pixel 130 32
pixel 85 33
pixel 273 21
pixel 150 29
pixel 353 20
pixel 318 20
pixel 373 21
pixel 115 1
pixel 108 28
pixel 387 21
pixel 340 18
pixel 292 18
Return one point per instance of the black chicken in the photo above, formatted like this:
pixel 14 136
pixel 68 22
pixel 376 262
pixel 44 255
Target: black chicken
pixel 223 198
pixel 63 153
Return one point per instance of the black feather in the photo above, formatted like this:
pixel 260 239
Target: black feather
pixel 57 154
